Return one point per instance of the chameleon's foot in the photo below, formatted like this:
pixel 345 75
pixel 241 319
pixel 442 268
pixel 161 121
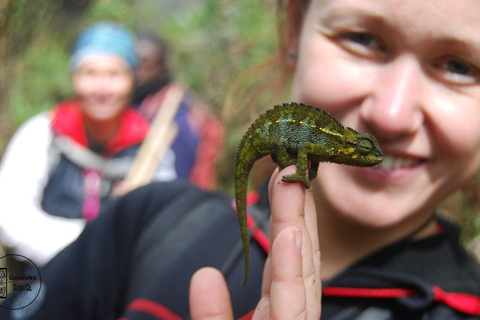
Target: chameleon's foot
pixel 295 177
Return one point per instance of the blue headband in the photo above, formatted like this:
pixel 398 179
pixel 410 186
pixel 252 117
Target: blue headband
pixel 104 38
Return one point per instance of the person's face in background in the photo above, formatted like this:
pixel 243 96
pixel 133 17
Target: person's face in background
pixel 407 72
pixel 103 86
pixel 151 65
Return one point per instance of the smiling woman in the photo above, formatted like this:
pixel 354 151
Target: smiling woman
pixel 61 166
pixel 394 78
pixel 406 72
pixel 102 86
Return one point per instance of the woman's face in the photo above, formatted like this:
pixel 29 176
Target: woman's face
pixel 407 71
pixel 103 85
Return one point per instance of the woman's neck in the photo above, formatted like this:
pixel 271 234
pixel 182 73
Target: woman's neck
pixel 100 132
pixel 342 242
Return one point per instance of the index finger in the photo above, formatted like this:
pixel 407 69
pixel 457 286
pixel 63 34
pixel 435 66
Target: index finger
pixel 293 206
pixel 287 201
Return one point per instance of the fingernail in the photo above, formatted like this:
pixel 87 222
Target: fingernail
pixel 298 239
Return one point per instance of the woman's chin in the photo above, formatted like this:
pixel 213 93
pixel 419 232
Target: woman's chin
pixel 372 203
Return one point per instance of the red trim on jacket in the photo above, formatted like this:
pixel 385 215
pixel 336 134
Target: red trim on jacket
pixel 153 308
pixel 465 303
pixel 248 316
pixel 462 302
pixel 67 119
pixel 253 197
pixel 386 293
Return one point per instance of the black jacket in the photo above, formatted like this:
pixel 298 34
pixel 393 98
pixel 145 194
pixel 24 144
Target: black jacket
pixel 136 260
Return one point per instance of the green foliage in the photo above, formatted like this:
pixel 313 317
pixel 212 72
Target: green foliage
pixel 214 44
pixel 28 16
pixel 463 208
pixel 42 80
pixel 121 11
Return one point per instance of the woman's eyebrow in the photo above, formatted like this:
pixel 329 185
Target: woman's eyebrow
pixel 338 15
pixel 458 40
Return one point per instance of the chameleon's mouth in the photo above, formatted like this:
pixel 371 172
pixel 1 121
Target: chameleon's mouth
pixel 390 163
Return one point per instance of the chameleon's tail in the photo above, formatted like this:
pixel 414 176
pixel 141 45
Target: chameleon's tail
pixel 242 168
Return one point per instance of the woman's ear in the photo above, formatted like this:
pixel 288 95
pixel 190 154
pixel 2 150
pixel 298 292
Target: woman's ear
pixel 295 13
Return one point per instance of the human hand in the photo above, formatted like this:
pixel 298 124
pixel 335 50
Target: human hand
pixel 291 286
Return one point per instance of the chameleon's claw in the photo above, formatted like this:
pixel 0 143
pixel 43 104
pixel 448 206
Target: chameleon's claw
pixel 296 177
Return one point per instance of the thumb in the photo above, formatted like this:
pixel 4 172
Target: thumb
pixel 209 296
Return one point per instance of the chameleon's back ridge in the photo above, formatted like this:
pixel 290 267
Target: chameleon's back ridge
pixel 287 112
pixel 301 130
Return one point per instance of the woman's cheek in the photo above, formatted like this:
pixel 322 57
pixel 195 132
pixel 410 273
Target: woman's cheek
pixel 122 89
pixel 456 128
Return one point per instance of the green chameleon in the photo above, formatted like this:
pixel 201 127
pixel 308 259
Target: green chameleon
pixel 309 133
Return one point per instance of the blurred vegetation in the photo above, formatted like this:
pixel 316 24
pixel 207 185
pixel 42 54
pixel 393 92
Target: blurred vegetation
pixel 212 45
pixel 463 208
pixel 218 48
pixel 6 41
pixel 221 50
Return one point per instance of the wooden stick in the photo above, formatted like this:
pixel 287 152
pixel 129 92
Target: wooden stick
pixel 161 135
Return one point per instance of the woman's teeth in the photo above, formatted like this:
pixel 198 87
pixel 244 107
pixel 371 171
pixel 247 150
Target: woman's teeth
pixel 390 163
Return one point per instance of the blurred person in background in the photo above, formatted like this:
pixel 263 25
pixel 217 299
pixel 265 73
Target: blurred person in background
pixel 61 165
pixel 200 134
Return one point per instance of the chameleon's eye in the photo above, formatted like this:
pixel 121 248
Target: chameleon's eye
pixel 365 146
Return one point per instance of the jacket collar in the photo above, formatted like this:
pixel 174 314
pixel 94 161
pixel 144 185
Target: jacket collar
pixel 68 120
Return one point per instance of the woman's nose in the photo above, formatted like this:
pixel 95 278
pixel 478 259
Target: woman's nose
pixel 394 107
pixel 102 83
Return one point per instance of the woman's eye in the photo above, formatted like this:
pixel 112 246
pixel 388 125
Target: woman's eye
pixel 457 72
pixel 88 72
pixel 114 74
pixel 361 43
pixel 457 67
pixel 362 38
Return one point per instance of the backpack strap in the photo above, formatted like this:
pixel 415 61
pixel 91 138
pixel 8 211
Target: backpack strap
pixel 86 158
